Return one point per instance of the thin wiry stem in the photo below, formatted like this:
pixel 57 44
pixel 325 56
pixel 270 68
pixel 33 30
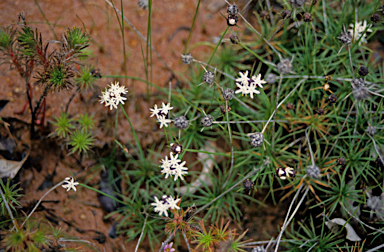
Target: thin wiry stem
pixel 376 248
pixel 8 209
pixel 309 147
pixel 38 203
pixel 250 174
pixel 274 119
pixel 266 242
pixel 293 215
pixel 350 60
pixel 84 241
pixel 325 18
pixel 317 77
pixel 298 84
pixel 230 139
pixel 142 232
pixel 266 41
pixel 257 121
pixel 186 241
pixel 334 144
pixel 140 35
pixel 270 12
pixel 225 74
pixel 245 105
pixel 377 150
pixel 167 241
pixel 376 93
pixel 353 216
pixel 312 246
pixel 357 115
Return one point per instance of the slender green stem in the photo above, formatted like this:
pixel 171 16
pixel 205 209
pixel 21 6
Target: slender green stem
pixel 134 133
pixel 217 46
pixel 192 28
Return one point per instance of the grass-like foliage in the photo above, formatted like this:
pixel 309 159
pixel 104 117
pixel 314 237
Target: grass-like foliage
pixel 287 107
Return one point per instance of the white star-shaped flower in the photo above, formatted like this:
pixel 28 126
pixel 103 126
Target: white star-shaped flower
pixel 166 165
pixel 112 96
pixel 243 89
pixel 258 81
pixel 70 184
pixel 174 159
pixel 173 203
pixel 155 111
pixel 166 108
pixel 243 78
pixel 180 171
pixel 160 207
pixel 358 30
pixel 252 90
pixel 163 121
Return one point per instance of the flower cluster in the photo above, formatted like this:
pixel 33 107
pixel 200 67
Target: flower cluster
pixel 112 96
pixel 173 166
pixel 248 85
pixel 166 202
pixel 161 114
pixel 358 30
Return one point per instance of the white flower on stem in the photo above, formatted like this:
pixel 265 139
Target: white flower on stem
pixel 166 108
pixel 258 81
pixel 180 171
pixel 174 159
pixel 112 96
pixel 243 78
pixel 155 111
pixel 243 89
pixel 70 184
pixel 166 166
pixel 163 121
pixel 173 203
pixel 358 30
pixel 252 89
pixel 160 207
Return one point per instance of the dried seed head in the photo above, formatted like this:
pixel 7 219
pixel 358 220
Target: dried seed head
pixel 375 18
pixel 222 109
pixel 96 73
pixel 228 94
pixel 290 106
pixel 320 111
pixel 186 58
pixel 327 78
pixel 297 3
pixel 345 38
pixel 313 171
pixel 375 202
pixel 264 14
pixel 248 184
pixel 257 139
pixel 332 98
pixel 307 17
pixel 286 14
pixel 371 130
pixel 363 71
pixel 258 249
pixel 234 39
pixel 181 122
pixel 143 4
pixel 284 66
pixel 176 148
pixel 209 77
pixel 206 121
pixel 232 9
pixel 340 161
pixel 359 91
pixel 270 78
pixel 232 20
